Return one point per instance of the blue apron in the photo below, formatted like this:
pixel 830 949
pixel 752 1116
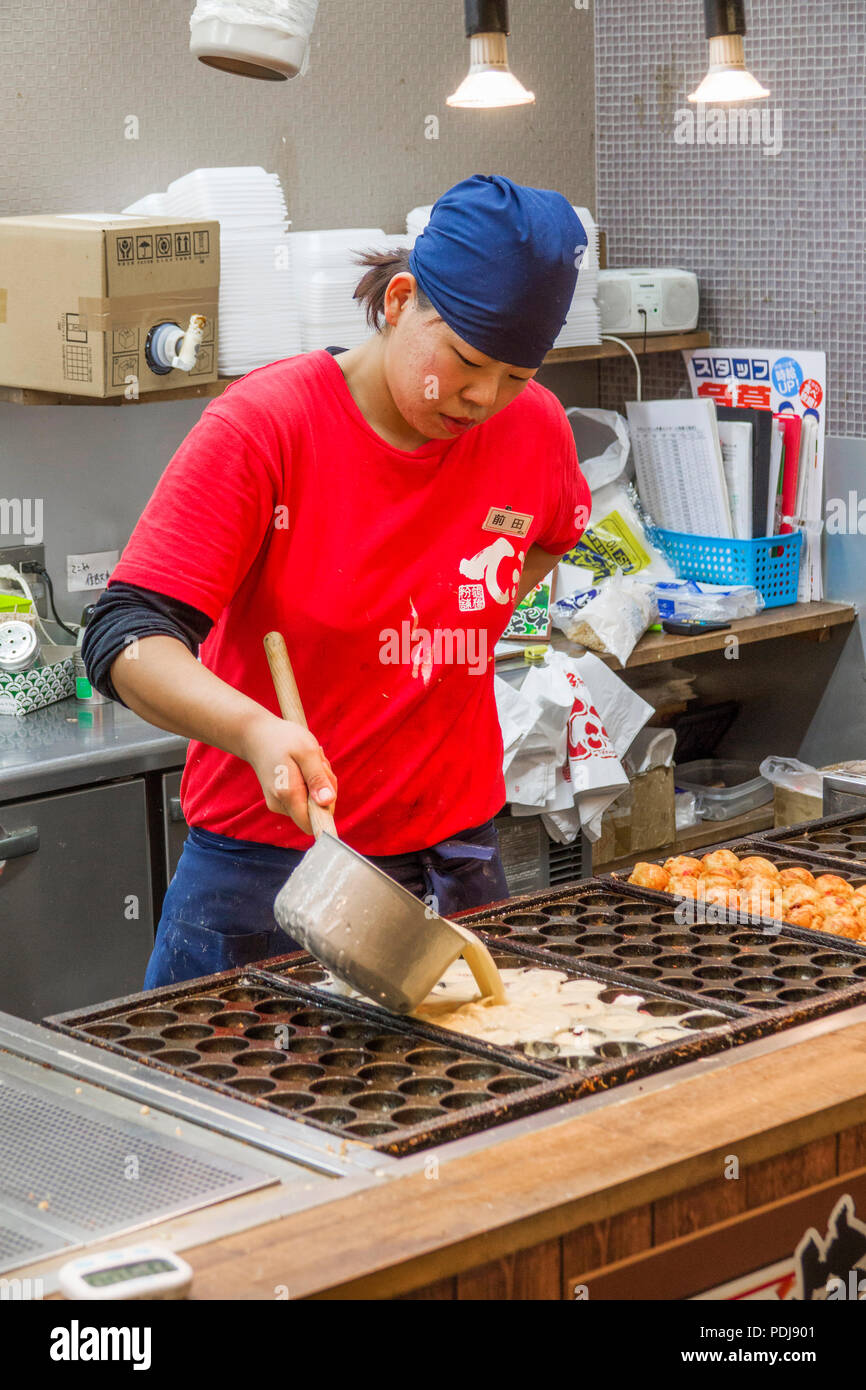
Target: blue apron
pixel 218 912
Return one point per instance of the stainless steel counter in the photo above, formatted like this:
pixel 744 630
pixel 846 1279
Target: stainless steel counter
pixel 69 744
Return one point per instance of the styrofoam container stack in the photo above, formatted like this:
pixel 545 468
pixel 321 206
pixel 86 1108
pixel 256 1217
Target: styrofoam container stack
pixel 582 326
pixel 327 275
pixel 259 320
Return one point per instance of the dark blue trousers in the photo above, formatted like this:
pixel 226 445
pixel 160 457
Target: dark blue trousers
pixel 218 912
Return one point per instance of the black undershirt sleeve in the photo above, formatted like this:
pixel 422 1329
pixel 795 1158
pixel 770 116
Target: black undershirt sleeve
pixel 126 611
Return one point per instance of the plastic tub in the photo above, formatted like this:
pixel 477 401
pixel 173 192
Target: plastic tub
pixel 724 787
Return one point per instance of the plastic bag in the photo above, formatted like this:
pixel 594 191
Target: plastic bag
pixel 603 444
pixel 686 598
pixel 793 776
pixel 611 618
pixel 618 538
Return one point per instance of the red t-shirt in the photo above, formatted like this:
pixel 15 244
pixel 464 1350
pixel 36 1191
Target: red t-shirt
pixel 284 510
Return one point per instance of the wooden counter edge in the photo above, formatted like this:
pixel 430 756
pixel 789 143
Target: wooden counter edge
pixel 538 1186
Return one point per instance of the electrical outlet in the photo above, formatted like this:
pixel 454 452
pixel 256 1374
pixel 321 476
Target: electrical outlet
pixel 18 555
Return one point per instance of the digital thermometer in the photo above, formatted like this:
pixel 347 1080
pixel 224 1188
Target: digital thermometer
pixel 137 1271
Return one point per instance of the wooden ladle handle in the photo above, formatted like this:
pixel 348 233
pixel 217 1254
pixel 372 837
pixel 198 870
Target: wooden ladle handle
pixel 321 819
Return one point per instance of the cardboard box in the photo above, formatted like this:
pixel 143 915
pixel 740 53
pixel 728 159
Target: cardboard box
pixel 792 808
pixel 643 818
pixel 79 295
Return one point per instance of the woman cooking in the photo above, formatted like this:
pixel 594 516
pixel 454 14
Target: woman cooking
pixel 383 508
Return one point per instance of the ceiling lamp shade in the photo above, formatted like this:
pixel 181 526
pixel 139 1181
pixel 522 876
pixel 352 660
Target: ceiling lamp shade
pixel 490 82
pixel 728 80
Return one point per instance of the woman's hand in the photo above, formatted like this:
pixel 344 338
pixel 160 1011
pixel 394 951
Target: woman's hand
pixel 290 765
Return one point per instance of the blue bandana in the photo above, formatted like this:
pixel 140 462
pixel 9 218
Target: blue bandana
pixel 498 262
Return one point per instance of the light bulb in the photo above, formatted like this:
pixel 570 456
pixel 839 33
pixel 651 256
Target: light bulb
pixel 490 82
pixel 728 79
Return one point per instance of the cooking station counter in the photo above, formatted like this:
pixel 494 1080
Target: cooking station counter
pixel 68 744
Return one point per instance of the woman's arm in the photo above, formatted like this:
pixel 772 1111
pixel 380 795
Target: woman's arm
pixel 539 563
pixel 161 680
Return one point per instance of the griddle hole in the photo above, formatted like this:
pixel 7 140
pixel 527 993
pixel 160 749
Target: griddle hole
pixel 831 959
pixel 594 939
pixel 563 909
pixel 791 948
pixel 831 982
pixel 243 994
pixel 494 929
pixel 473 1071
pixel 151 1018
pixel 798 972
pixel 253 1085
pixel 336 1115
pixel 749 938
pixel 144 1045
pixel 198 1006
pixel 370 1130
pixel 663 1008
pixel 187 1032
pixel 433 1057
pixel 305 1045
pixel 416 1115
pixel 578 1063
pixel 280 1007
pixel 701 1021
pixel 259 1058
pixel 796 996
pixel 292 1100
pixel 684 962
pixel 387 1043
pixel 214 1071
pixel 638 930
pixel 460 1100
pixel 732 996
pixel 717 972
pixel 234 1018
pixel 308 974
pixel 717 951
pixel 226 1046
pixel 383 1102
pixel 178 1057
pixel 572 952
pixel 672 941
pixel 507 1085
pixel 352 1032
pixel 645 972
pixel 106 1030
pixel 525 939
pixel 426 1087
pixel 315 1018
pixel 276 1033
pixel 384 1073
pixel 337 1086
pixel 347 1061
pixel 636 949
pixel 564 929
pixel 759 984
pixel 526 919
pixel 625 1048
pixel 600 919
pixel 297 1071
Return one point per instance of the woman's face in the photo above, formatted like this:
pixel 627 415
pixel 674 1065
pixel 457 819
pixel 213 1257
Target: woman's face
pixel 441 385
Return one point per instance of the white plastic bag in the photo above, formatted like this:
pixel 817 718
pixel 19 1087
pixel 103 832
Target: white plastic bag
pixel 793 776
pixel 590 429
pixel 616 538
pixel 611 618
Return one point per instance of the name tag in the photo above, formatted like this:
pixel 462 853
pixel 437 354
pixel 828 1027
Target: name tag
pixel 505 522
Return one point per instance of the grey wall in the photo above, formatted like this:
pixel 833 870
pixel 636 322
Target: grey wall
pixel 778 241
pixel 348 141
pixel 779 244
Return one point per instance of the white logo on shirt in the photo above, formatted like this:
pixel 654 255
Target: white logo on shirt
pixel 485 565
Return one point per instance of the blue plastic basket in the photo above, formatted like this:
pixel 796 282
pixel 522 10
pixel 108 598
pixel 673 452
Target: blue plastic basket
pixel 770 563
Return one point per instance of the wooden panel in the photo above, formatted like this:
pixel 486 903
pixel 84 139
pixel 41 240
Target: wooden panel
pixel 443 1290
pixel 604 1242
pixel 684 1212
pixel 852 1148
pixel 776 1178
pixel 526 1276
pixel 744 1245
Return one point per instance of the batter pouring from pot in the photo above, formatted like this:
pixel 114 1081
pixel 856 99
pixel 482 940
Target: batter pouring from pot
pixel 384 508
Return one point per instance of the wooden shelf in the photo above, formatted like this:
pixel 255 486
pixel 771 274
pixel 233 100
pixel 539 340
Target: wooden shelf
pixel 798 619
pixel 663 342
pixel 696 837
pixel 208 390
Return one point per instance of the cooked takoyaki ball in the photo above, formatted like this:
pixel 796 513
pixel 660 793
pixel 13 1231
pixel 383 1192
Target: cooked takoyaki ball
pixel 806 916
pixel 797 875
pixel 649 876
pixel 832 883
pixel 754 864
pixel 690 887
pixel 842 923
pixel 834 902
pixel 728 898
pixel 798 895
pixel 720 859
pixel 683 866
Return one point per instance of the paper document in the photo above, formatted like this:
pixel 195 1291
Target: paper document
pixel 678 462
pixel 735 437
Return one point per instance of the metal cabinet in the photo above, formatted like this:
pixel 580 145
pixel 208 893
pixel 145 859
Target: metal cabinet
pixel 76 905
